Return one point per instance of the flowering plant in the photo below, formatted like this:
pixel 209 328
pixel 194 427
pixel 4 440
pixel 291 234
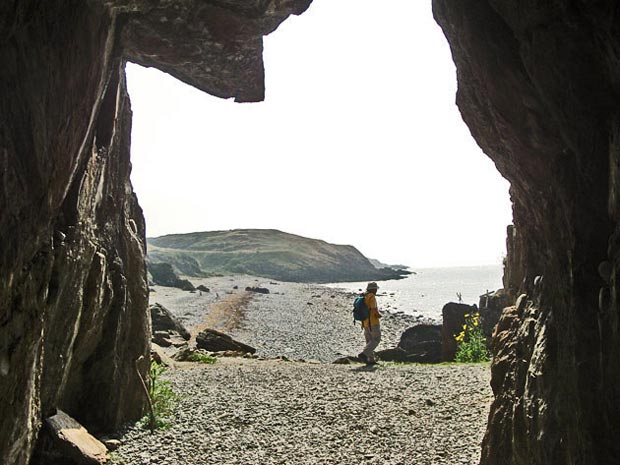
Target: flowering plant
pixel 470 342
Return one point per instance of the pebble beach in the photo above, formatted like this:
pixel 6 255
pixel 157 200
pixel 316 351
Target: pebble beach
pixel 291 405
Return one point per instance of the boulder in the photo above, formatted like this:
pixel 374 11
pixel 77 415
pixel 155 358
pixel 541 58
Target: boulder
pixel 163 320
pixel 185 285
pixel 159 355
pixel 425 352
pixel 453 321
pixel 161 338
pixel 168 339
pixel 203 288
pixel 164 275
pixel 392 355
pixel 186 354
pixel 348 360
pixel 418 344
pixel 491 306
pixel 418 334
pixel 215 341
pixel 260 290
pixel 74 442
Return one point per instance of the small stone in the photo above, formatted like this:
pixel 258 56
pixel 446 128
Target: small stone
pixel 111 444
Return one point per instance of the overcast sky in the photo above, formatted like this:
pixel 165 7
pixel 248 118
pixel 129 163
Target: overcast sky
pixel 357 142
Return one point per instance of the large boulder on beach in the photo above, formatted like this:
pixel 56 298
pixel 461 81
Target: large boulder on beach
pixel 163 320
pixel 453 320
pixel 215 341
pixel 395 354
pixel 418 344
pixel 419 334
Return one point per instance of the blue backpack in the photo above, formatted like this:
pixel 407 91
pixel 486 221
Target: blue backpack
pixel 361 311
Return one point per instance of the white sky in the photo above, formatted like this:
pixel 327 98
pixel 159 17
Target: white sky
pixel 358 142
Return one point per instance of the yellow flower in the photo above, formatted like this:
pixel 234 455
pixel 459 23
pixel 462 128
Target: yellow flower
pixel 475 323
pixel 467 315
pixel 464 327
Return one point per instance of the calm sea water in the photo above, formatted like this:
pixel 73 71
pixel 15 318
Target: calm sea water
pixel 426 292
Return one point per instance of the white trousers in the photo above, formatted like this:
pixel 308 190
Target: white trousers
pixel 372 334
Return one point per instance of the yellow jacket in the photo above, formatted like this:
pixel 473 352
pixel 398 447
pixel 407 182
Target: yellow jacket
pixel 371 302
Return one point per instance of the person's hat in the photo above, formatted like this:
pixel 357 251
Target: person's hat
pixel 372 286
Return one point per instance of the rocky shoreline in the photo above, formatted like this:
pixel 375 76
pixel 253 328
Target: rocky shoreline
pixel 290 404
pixel 296 320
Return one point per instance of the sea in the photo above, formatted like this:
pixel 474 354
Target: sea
pixel 427 290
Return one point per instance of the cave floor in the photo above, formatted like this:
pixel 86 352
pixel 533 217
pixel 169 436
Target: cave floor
pixel 248 411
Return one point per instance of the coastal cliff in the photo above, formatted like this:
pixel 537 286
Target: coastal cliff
pixel 268 253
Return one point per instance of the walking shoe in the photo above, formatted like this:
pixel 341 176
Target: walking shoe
pixel 363 358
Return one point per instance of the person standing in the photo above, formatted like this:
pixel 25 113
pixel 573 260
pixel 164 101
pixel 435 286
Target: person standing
pixel 372 325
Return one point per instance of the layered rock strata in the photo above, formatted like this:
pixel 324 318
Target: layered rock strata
pixel 538 86
pixel 73 290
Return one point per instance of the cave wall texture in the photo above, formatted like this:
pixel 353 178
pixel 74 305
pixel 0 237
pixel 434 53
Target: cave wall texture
pixel 73 293
pixel 538 86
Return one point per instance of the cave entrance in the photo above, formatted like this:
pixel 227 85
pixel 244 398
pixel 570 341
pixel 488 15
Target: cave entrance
pixel 338 107
pixel 358 142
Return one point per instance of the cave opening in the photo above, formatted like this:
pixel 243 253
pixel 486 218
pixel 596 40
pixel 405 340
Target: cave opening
pixel 336 109
pixel 537 88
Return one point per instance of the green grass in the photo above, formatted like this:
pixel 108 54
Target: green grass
pixel 201 358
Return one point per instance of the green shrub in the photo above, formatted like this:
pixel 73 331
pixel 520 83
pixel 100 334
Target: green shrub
pixel 471 347
pixel 163 398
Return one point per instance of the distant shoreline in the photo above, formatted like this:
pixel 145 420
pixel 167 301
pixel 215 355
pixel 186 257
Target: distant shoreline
pixel 266 252
pixel 296 320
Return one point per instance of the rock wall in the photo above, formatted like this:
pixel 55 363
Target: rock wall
pixel 73 293
pixel 72 272
pixel 538 88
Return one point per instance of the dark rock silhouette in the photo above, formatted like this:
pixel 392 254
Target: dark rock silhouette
pixel 163 320
pixel 453 316
pixel 538 87
pixel 68 441
pixel 419 344
pixel 259 290
pixel 490 307
pixel 164 275
pixel 215 341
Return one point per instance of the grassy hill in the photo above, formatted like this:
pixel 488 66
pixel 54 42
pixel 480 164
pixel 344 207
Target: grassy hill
pixel 264 252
